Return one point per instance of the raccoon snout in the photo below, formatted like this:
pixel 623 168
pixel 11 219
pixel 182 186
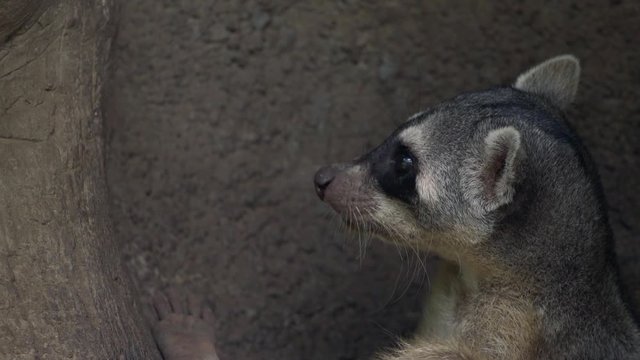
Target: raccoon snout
pixel 323 178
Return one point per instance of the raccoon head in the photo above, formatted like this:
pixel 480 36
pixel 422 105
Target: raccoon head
pixel 447 177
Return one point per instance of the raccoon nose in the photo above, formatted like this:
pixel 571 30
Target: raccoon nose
pixel 323 178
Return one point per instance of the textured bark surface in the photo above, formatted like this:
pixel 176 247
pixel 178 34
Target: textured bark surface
pixel 63 291
pixel 222 110
pixel 16 13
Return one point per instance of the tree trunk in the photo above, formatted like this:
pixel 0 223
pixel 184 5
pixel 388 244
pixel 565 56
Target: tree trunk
pixel 63 290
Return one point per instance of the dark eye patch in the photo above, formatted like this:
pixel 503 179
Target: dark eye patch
pixel 395 168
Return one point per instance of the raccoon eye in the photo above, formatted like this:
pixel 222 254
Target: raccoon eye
pixel 404 164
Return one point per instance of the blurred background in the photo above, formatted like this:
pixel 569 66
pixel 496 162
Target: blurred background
pixel 219 113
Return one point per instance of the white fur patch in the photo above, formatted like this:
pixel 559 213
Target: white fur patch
pixel 413 137
pixel 396 220
pixel 427 188
pixel 356 169
pixel 417 141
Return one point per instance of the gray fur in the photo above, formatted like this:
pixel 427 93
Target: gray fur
pixel 535 228
pixel 556 79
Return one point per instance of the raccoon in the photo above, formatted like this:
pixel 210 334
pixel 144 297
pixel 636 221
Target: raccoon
pixel 497 185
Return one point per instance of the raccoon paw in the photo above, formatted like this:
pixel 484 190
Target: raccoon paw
pixel 184 328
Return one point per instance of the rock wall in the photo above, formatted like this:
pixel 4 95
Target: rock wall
pixel 220 112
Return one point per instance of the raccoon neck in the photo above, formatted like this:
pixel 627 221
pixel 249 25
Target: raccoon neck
pixel 558 249
pixel 567 242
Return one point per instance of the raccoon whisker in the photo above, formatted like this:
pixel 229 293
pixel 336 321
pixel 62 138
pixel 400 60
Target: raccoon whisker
pixel 429 244
pixel 334 220
pixel 402 239
pixel 364 232
pixel 399 248
pixel 359 230
pixel 419 262
pixel 416 251
pixel 459 263
pixel 367 240
pixel 389 229
pixel 425 271
pixel 388 332
pixel 391 299
pixel 360 225
pixel 368 230
pixel 413 269
pixel 353 222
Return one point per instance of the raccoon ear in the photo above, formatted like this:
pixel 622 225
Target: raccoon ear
pixel 497 175
pixel 556 79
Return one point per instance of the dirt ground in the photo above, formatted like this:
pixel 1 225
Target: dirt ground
pixel 220 112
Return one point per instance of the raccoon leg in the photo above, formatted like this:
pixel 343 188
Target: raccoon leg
pixel 184 329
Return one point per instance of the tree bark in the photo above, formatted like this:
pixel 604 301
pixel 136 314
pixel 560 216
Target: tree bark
pixel 63 290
